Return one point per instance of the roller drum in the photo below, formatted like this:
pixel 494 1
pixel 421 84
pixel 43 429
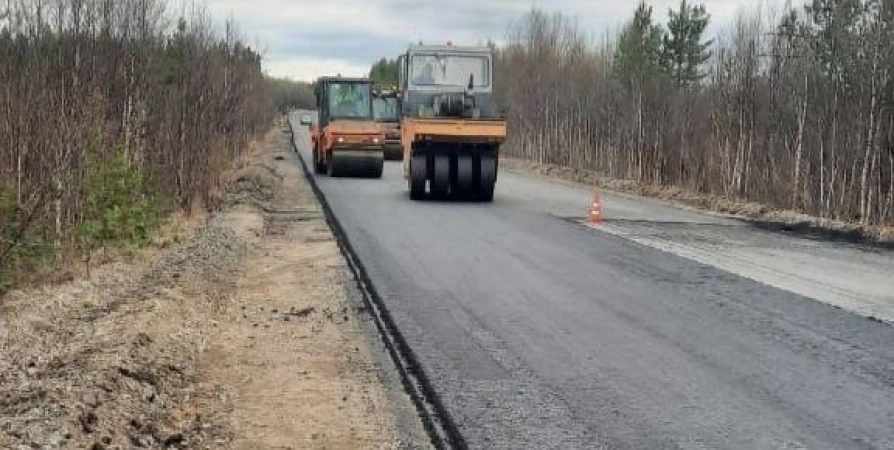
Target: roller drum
pixel 394 152
pixel 357 163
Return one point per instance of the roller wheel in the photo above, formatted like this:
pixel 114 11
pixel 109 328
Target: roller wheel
pixel 440 182
pixel 378 168
pixel 465 176
pixel 488 178
pixel 417 177
pixel 394 154
pixel 334 169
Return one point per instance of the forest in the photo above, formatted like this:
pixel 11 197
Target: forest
pixel 113 114
pixel 789 108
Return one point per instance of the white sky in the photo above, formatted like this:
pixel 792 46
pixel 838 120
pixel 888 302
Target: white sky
pixel 303 39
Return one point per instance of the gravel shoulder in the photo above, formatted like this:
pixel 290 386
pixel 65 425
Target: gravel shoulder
pixel 248 334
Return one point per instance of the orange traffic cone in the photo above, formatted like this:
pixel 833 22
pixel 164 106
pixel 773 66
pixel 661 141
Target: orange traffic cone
pixel 595 216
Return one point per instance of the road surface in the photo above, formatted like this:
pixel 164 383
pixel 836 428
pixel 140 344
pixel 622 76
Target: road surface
pixel 665 328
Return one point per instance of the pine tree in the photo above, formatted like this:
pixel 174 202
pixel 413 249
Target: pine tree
pixel 683 52
pixel 638 57
pixel 835 29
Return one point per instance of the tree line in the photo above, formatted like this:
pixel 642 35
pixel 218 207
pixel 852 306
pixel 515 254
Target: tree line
pixel 287 94
pixel 791 108
pixel 112 113
pixel 385 72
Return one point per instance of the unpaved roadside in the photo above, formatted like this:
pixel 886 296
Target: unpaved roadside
pixel 248 335
pixel 295 363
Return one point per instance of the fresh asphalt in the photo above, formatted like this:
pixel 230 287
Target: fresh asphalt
pixel 537 332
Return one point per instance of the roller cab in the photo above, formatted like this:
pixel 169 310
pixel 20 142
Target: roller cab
pixel 347 142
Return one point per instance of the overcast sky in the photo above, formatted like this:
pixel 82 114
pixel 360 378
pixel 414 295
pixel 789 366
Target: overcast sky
pixel 303 39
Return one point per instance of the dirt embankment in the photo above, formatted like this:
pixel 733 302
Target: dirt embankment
pixel 244 336
pixel 759 214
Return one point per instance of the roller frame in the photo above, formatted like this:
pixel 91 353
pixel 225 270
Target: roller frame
pixel 394 151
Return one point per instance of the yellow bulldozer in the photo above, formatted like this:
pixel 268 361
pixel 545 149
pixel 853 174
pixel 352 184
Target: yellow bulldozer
pixel 451 131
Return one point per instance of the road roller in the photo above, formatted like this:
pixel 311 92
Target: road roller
pixel 386 109
pixel 451 129
pixel 347 142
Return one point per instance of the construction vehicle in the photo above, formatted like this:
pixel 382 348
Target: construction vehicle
pixel 450 128
pixel 347 142
pixel 386 109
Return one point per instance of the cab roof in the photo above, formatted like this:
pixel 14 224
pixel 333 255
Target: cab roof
pixel 331 79
pixel 448 48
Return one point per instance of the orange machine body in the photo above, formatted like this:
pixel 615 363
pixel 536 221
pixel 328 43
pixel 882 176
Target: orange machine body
pixel 348 135
pixel 469 131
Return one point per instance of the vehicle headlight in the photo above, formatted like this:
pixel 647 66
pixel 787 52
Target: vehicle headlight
pixel 375 140
pixel 340 140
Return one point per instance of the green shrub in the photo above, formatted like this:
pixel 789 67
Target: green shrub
pixel 120 204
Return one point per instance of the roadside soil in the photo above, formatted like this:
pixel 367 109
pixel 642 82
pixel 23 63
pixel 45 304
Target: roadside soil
pixel 249 334
pixel 757 213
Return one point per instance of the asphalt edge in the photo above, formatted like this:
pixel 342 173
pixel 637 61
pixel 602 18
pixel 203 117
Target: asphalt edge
pixel 806 229
pixel 809 230
pixel 442 430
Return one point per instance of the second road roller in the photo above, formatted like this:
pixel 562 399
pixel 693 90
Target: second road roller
pixel 347 142
pixel 386 108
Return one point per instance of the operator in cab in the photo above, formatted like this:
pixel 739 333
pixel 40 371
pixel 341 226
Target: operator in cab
pixel 349 101
pixel 427 76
